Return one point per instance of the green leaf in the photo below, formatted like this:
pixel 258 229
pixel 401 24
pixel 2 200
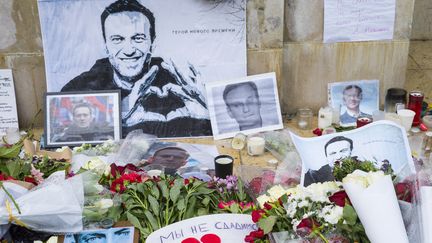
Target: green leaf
pixel 174 193
pixel 205 201
pixel 164 189
pixel 266 224
pixel 202 211
pixel 155 191
pixel 191 208
pixel 349 215
pixel 154 205
pixel 133 220
pixel 234 208
pixel 181 204
pixel 11 152
pixel 152 220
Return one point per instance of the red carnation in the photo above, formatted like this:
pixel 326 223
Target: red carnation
pixel 305 227
pixel 257 214
pixel 339 198
pixel 317 132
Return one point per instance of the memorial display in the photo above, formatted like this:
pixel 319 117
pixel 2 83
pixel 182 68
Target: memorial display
pixel 155 133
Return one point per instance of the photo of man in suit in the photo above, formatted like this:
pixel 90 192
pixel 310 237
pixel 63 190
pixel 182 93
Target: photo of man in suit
pixel 243 104
pixel 352 97
pixel 335 149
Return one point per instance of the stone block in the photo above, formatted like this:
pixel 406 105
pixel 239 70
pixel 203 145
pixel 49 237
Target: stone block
pixel 422 23
pixel 265 61
pixel 309 67
pixel 20 27
pixel 265 24
pixel 304 20
pixel 29 79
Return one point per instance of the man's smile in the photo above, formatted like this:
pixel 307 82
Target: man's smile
pixel 130 59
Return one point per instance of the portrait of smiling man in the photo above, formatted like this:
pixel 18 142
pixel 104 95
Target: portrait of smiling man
pixel 352 97
pixel 156 96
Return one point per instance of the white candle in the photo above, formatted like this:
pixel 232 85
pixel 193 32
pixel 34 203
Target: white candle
pixel 325 117
pixel 153 173
pixel 302 124
pixel 224 161
pixel 255 145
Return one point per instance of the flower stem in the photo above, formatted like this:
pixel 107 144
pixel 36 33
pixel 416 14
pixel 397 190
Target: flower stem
pixel 10 196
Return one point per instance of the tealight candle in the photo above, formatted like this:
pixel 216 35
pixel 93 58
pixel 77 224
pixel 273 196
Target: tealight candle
pixel 255 146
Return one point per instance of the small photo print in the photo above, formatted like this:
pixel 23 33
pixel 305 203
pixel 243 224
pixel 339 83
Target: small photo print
pixel 248 105
pixel 82 117
pixel 112 235
pixel 354 99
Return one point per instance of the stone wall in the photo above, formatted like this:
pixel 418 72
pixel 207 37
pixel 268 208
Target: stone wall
pixel 309 65
pixel 422 23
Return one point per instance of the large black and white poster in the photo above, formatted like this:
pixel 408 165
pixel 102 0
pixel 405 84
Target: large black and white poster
pixel 159 53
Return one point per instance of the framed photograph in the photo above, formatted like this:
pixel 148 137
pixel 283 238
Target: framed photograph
pixel 74 118
pixel 248 105
pixel 354 99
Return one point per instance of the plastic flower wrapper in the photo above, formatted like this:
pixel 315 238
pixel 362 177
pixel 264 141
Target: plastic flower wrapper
pixel 54 206
pixel 14 191
pixel 134 147
pixel 424 207
pixel 279 143
pixel 374 199
pixel 258 180
pixel 101 210
pixel 105 153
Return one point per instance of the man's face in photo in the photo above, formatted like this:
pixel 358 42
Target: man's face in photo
pixel 244 106
pixel 352 98
pixel 82 117
pixel 93 238
pixel 170 158
pixel 337 151
pixel 128 42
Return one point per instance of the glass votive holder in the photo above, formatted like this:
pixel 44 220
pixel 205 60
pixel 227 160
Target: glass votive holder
pixel 363 120
pixel 415 104
pixel 304 118
pixel 255 145
pixel 154 170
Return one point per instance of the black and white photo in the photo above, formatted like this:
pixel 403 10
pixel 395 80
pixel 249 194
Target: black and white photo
pixel 158 53
pixel 246 105
pixel 380 142
pixel 82 117
pixel 111 235
pixel 355 98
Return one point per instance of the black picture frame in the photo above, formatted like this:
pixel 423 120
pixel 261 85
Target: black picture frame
pixel 62 128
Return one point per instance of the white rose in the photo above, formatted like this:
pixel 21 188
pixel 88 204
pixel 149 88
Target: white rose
pixel 95 163
pixel 104 203
pixel 363 179
pixel 263 199
pixel 276 192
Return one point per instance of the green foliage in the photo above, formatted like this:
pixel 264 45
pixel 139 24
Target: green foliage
pixel 348 165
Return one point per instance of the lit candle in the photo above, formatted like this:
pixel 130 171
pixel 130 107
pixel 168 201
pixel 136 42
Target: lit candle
pixel 255 146
pixel 325 117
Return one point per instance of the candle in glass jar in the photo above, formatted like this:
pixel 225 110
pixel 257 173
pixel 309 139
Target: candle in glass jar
pixel 363 120
pixel 415 104
pixel 255 146
pixel 325 117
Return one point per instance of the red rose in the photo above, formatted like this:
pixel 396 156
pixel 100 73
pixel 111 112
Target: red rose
pixel 305 227
pixel 255 185
pixel 30 179
pixel 404 191
pixel 267 206
pixel 257 234
pixel 257 214
pixel 317 131
pixel 249 239
pixel 339 198
pixel 186 181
